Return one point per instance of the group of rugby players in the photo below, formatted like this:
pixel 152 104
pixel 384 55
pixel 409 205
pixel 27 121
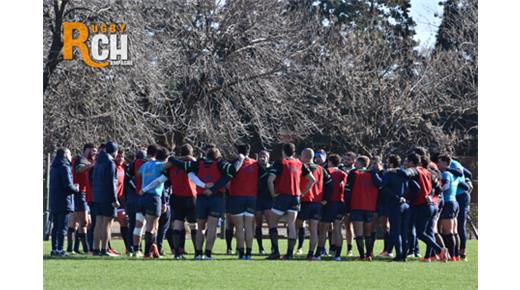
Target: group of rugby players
pixel 161 196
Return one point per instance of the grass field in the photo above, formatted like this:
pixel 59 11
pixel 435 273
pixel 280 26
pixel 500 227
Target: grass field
pixel 226 272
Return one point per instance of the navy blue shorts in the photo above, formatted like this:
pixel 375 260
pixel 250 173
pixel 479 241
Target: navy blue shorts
pixel 264 204
pixel 348 209
pixel 310 211
pixel 80 202
pixel 212 205
pixel 150 204
pixel 362 216
pixel 104 209
pixel 382 210
pixel 332 211
pixel 283 203
pixel 183 208
pixel 242 205
pixel 450 209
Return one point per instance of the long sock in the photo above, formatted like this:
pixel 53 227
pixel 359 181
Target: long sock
pixel 301 237
pixel 372 241
pixel 229 238
pixel 273 235
pixel 84 242
pixel 169 238
pixel 388 242
pixel 349 247
pixel 329 235
pixel 332 248
pixel 182 241
pixel 76 241
pixel 338 251
pixel 318 252
pixel 455 249
pixel 449 242
pixel 240 253
pixel 176 238
pixel 124 236
pixel 290 247
pixel 147 243
pixel 249 251
pixel 310 254
pixel 457 245
pixel 360 246
pixel 258 235
pixel 369 244
pixel 193 237
pixel 70 242
pixel 207 253
pixel 440 240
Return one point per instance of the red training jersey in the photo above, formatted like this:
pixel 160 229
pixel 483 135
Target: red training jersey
pixel 138 179
pixel 424 179
pixel 82 179
pixel 181 183
pixel 339 180
pixel 208 172
pixel 120 180
pixel 245 182
pixel 364 191
pixel 315 194
pixel 288 180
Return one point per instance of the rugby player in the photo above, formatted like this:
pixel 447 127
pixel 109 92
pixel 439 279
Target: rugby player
pixel 122 217
pixel 347 166
pixel 382 211
pixel 448 218
pixel 182 203
pixel 394 187
pixel 133 186
pixel 242 202
pixel 363 191
pixel 264 200
pixel 463 197
pixel 284 186
pixel 423 209
pixel 333 209
pixel 81 166
pixel 214 173
pixel 104 192
pixel 310 210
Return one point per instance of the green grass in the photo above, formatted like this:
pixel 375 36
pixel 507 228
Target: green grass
pixel 86 272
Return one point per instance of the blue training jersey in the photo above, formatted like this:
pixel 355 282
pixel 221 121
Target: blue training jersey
pixel 456 165
pixel 449 194
pixel 149 172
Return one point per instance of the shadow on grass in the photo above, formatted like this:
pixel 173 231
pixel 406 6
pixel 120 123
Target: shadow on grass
pixel 221 257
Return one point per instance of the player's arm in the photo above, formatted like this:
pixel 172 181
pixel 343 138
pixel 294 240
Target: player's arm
pixel 130 177
pixel 188 166
pixel 82 166
pixel 351 178
pixel 445 181
pixel 113 175
pixel 227 171
pixel 67 180
pixel 306 173
pixel 238 163
pixel 155 183
pixel 274 172
pixel 327 185
pixel 377 178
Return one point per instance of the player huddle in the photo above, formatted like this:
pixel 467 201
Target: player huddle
pixel 159 196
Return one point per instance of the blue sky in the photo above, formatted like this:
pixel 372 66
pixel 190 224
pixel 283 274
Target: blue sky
pixel 423 13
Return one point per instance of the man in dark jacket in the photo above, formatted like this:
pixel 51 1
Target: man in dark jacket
pixel 61 198
pixel 104 194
